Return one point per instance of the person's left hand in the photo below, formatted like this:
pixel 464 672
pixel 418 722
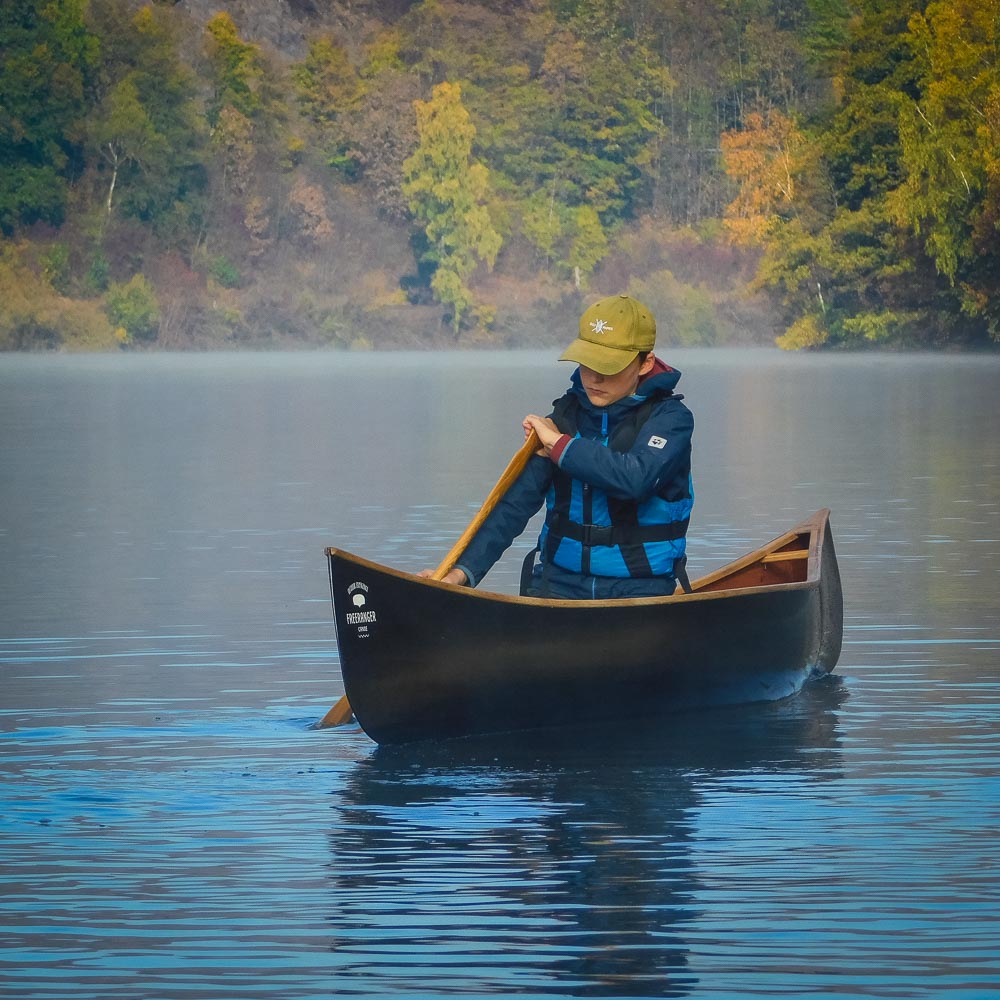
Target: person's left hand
pixel 454 575
pixel 546 430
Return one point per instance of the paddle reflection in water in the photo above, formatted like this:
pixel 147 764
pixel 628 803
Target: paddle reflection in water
pixel 548 863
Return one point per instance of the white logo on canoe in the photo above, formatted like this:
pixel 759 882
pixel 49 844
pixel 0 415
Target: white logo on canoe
pixel 357 591
pixel 657 442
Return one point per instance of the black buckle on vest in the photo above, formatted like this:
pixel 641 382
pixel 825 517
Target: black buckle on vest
pixel 597 534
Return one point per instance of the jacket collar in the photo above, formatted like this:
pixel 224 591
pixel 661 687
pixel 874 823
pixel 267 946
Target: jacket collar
pixel 662 378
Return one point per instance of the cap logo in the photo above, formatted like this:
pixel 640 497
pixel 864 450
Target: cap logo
pixel 601 326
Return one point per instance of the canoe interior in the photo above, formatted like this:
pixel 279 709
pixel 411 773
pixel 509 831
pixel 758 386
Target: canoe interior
pixel 786 563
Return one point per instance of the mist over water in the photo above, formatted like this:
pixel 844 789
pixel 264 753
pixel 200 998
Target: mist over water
pixel 172 826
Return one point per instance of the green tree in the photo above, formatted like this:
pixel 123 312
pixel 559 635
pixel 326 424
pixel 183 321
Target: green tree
pixel 573 240
pixel 328 90
pixel 596 124
pixel 47 58
pixel 146 134
pixel 447 193
pixel 133 306
pixel 123 135
pixel 240 74
pixel 248 120
pixel 826 35
pixel 947 147
pixel 860 142
pixel 326 82
pixel 588 245
pixel 845 282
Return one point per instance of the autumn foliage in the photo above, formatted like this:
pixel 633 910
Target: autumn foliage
pixel 432 172
pixel 878 216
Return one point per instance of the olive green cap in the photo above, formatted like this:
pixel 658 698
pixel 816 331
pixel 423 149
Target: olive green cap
pixel 613 332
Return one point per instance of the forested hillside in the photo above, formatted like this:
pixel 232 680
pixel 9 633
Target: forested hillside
pixel 367 174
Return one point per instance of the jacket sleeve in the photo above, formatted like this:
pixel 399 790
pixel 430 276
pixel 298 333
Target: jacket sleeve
pixel 508 519
pixel 660 454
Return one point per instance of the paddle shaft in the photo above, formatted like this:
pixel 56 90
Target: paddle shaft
pixel 514 468
pixel 341 713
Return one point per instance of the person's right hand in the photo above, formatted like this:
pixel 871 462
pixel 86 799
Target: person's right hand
pixel 548 433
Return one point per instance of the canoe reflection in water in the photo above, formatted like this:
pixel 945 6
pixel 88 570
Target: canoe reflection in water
pixel 554 862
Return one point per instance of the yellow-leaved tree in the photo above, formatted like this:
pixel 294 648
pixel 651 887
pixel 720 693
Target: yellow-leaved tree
pixel 763 158
pixel 447 193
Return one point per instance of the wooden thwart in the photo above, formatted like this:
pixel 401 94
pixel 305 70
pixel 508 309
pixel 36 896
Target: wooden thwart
pixel 783 556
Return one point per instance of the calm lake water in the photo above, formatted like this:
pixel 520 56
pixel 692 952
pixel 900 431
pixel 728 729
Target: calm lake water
pixel 173 828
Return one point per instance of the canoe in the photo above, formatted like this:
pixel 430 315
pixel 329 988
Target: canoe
pixel 424 660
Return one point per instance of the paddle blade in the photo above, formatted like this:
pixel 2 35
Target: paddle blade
pixel 339 715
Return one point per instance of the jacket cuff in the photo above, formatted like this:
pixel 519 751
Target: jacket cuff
pixel 556 453
pixel 470 580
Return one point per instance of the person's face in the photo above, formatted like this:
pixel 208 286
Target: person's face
pixel 603 390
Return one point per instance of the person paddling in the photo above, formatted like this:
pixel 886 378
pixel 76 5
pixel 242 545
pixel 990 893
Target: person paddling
pixel 613 471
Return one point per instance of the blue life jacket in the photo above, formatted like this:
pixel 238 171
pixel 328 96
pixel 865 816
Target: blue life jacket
pixel 589 532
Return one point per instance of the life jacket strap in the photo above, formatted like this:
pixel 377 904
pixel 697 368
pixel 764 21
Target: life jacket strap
pixel 681 574
pixel 592 535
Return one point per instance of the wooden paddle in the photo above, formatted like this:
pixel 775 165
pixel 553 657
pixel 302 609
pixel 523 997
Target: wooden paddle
pixel 341 712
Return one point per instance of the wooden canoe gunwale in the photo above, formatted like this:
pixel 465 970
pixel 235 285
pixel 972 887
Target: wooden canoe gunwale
pixel 815 527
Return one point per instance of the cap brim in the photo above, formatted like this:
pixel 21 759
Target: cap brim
pixel 604 360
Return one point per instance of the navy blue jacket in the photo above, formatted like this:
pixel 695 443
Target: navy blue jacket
pixel 646 488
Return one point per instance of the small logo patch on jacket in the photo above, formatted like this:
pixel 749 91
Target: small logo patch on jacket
pixel 657 442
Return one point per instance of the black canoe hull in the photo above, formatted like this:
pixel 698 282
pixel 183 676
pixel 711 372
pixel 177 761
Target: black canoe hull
pixel 425 660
